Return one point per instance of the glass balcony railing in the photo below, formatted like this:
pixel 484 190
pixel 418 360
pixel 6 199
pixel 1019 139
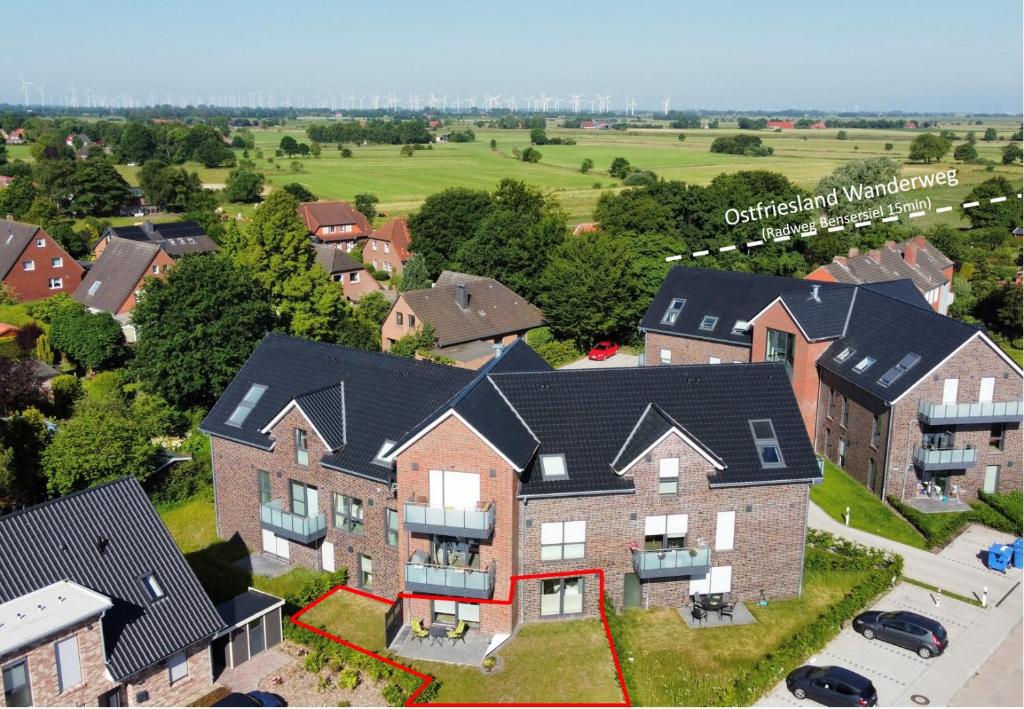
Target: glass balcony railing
pixel 470 524
pixel 274 518
pixel 945 458
pixel 976 412
pixel 449 580
pixel 663 563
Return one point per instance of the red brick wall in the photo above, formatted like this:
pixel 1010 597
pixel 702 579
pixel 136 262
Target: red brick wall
pixel 391 330
pixel 162 262
pixel 35 284
pixel 805 369
pixel 381 258
pixel 354 291
pixel 686 350
pixel 857 432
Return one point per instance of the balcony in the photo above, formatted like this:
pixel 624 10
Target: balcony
pixel 467 524
pixel 669 563
pixel 424 577
pixel 945 458
pixel 288 525
pixel 979 412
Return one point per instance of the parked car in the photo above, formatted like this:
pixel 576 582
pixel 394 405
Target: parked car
pixel 603 350
pixel 255 698
pixel 915 632
pixel 832 686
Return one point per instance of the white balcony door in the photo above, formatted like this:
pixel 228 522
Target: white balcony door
pixel 449 488
pixel 273 544
pixel 949 390
pixel 312 502
pixel 327 551
pixel 988 386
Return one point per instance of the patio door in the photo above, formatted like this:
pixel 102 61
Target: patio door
pixel 561 596
pixel 451 612
pixel 717 580
pixel 327 554
pixel 991 478
pixel 273 544
pixel 451 551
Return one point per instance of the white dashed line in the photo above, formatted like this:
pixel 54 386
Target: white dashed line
pixel 781 238
pixel 893 218
pixel 705 252
pixel 968 205
pixel 731 247
pixel 752 244
pixel 861 225
pixel 835 228
pixel 812 232
pixel 915 215
pixel 940 210
pixel 997 199
pixel 678 257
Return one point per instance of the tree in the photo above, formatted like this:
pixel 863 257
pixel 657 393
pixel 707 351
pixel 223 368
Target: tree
pixel 137 143
pixel 444 221
pixel 586 166
pixel 1009 313
pixel 530 154
pixel 197 327
pixel 289 146
pixel 889 146
pixel 841 135
pixel 494 144
pixel 23 437
pixel 212 152
pixel 1002 215
pixel 409 345
pixel 346 152
pixel 407 151
pixel 990 134
pixel 1011 154
pixel 299 192
pixel 415 275
pixel 19 384
pixel 274 245
pixel 296 167
pixel 873 171
pixel 97 188
pixel 244 184
pixel 619 168
pixel 928 146
pixel 366 204
pixel 173 188
pixel 538 136
pixel 315 149
pixel 965 153
pixel 17 198
pixel 93 340
pixel 682 137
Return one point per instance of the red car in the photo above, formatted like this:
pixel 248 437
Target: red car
pixel 603 350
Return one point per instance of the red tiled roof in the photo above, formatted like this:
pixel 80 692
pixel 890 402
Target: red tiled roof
pixel 318 214
pixel 926 268
pixel 584 228
pixel 396 232
pixel 7 330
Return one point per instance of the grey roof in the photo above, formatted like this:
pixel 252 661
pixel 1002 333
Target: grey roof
pixel 492 310
pixel 334 260
pixel 175 238
pixel 14 236
pixel 653 424
pixel 384 397
pixel 246 605
pixel 107 538
pixel 888 263
pixel 118 270
pixel 821 312
pixel 902 290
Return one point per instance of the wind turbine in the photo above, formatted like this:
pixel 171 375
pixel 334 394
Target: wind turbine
pixel 24 88
pixel 574 100
pixel 471 102
pixel 510 103
pixel 42 94
pixel 664 104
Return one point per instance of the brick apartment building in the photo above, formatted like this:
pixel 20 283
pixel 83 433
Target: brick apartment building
pixel 443 482
pixel 388 247
pixel 335 222
pixel 914 259
pixel 908 401
pixel 98 607
pixel 471 316
pixel 32 264
pixel 174 238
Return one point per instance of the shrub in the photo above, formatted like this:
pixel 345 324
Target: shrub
pixel 407 151
pixel 1009 504
pixel 9 348
pixel 490 661
pixel 314 661
pixel 640 177
pixel 939 528
pixel 323 683
pixel 558 352
pixel 530 154
pixel 382 275
pixel 318 587
pixel 179 481
pixel 66 390
pixel 740 145
pixel 43 350
pixel 349 678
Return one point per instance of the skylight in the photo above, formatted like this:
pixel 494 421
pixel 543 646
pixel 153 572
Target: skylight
pixel 245 407
pixel 899 369
pixel 672 313
pixel 768 450
pixel 864 365
pixel 553 466
pixel 380 459
pixel 95 287
pixel 845 354
pixel 740 327
pixel 153 587
pixel 709 322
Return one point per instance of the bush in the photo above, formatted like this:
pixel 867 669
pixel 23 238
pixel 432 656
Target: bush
pixel 9 349
pixel 740 145
pixel 1008 504
pixel 314 662
pixel 939 528
pixel 348 678
pixel 346 152
pixel 382 275
pixel 640 177
pixel 530 154
pixel 179 481
pixel 558 352
pixel 318 587
pixel 66 390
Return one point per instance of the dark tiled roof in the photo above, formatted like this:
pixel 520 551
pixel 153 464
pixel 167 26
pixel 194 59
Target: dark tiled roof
pixel 318 214
pixel 106 539
pixel 888 263
pixel 385 396
pixel 588 414
pixel 653 424
pixel 175 238
pixel 493 310
pixel 902 290
pixel 821 312
pixel 246 605
pixel 14 236
pixel 334 260
pixel 727 295
pixel 117 270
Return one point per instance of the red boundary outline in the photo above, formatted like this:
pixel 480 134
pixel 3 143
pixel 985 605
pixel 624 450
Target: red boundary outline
pixel 427 679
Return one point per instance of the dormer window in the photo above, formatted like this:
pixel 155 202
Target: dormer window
pixel 845 354
pixel 245 407
pixel 768 450
pixel 708 323
pixel 552 467
pixel 153 588
pixel 672 313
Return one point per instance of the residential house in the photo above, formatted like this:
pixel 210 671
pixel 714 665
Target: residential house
pixel 32 264
pixel 15 137
pixel 914 259
pixel 819 125
pixel 173 238
pixel 355 280
pixel 114 281
pixel 99 608
pixel 908 401
pixel 335 222
pixel 595 125
pixel 442 483
pixel 388 247
pixel 471 317
pixel 585 228
pixel 788 125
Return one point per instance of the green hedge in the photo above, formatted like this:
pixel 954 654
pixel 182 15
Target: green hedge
pixel 1008 504
pixel 939 528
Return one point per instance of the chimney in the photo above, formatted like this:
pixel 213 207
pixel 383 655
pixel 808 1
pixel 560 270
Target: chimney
pixel 875 255
pixel 910 253
pixel 814 293
pixel 462 295
pixel 841 260
pixel 853 252
pixel 147 226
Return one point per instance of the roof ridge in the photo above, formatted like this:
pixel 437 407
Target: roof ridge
pixel 127 479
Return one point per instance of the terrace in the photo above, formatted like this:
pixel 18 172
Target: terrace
pixel 933 414
pixel 274 518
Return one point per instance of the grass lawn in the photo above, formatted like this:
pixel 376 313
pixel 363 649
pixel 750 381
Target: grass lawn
pixel 867 512
pixel 667 663
pixel 352 617
pixel 192 524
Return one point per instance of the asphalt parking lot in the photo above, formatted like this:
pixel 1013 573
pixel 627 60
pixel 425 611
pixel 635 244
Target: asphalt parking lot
pixel 900 676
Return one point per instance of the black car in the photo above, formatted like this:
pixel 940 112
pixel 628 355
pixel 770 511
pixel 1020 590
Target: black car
pixel 923 635
pixel 256 698
pixel 832 686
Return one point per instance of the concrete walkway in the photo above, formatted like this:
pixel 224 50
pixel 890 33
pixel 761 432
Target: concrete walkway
pixel 1000 681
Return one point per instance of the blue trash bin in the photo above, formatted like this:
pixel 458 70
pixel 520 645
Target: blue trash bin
pixel 999 557
pixel 1018 553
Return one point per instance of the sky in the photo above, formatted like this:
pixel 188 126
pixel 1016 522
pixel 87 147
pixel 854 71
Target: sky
pixel 871 55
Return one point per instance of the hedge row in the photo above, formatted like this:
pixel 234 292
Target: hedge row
pixel 939 528
pixel 1009 504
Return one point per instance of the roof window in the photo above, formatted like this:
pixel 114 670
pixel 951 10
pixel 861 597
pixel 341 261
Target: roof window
pixel 673 310
pixel 381 457
pixel 245 407
pixel 899 369
pixel 708 322
pixel 95 287
pixel 153 588
pixel 845 354
pixel 553 467
pixel 864 365
pixel 768 450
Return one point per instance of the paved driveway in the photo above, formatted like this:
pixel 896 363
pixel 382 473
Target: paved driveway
pixel 622 359
pixel 899 674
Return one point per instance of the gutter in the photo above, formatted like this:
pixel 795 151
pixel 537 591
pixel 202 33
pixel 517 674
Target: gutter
pixel 646 330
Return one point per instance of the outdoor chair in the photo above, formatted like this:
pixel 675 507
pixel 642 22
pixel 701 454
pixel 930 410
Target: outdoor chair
pixel 418 631
pixel 699 612
pixel 458 632
pixel 726 610
pixel 697 599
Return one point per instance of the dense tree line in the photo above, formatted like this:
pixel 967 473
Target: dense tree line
pixel 740 145
pixel 395 132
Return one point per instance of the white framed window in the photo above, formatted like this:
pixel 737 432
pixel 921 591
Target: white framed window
pixel 153 587
pixel 349 246
pixel 28 265
pixel 717 580
pixel 353 277
pixel 562 540
pixel 69 663
pixel 987 388
pixel 668 476
pixel 56 283
pixel 245 407
pixel 672 311
pixel 665 532
pixel 553 466
pixel 57 262
pixel 949 391
pixel 666 356
pixel 301 447
pixel 768 450
pixel 725 530
pixel 177 667
pixel 156 268
pixel 387 248
pixel 373 244
pixel 346 228
pixel 40 243
pixel 714 360
pixel 708 322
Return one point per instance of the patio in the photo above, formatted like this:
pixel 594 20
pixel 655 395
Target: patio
pixel 930 505
pixel 740 616
pixel 262 565
pixel 470 652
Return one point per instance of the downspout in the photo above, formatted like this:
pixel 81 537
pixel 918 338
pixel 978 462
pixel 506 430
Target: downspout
pixel 903 486
pixel 213 477
pixel 521 525
pixel 886 457
pixel 803 544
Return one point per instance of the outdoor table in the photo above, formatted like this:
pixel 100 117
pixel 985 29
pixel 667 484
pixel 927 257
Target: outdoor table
pixel 714 601
pixel 438 634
